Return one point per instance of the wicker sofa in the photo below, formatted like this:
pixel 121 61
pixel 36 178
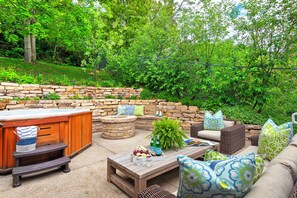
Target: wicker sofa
pixel 231 138
pixel 277 181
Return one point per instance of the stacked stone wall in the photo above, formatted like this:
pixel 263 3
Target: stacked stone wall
pixel 104 107
pixel 14 90
pixel 100 106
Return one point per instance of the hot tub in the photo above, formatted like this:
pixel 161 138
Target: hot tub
pixel 71 126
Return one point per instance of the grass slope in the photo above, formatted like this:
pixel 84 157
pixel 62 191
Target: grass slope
pixel 16 70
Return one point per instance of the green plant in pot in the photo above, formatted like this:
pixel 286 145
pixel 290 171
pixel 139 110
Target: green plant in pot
pixel 169 132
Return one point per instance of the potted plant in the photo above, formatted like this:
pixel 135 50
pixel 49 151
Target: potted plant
pixel 169 132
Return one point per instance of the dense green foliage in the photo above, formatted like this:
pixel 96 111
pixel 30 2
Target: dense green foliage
pixel 169 132
pixel 238 57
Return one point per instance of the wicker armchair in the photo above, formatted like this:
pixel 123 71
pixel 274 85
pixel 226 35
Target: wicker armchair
pixel 231 138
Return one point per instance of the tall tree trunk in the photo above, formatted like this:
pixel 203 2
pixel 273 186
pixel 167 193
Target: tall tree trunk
pixel 28 52
pixel 27 43
pixel 33 47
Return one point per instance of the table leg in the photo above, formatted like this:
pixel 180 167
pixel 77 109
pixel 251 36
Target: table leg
pixel 110 170
pixel 140 184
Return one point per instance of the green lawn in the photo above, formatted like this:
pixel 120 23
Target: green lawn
pixel 16 70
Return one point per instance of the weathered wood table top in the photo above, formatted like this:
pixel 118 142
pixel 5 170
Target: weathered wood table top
pixel 140 174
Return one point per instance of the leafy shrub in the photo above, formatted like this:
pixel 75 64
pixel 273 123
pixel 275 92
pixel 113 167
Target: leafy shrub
pixel 146 94
pixel 133 98
pixel 120 96
pixel 245 114
pixel 76 97
pixel 8 74
pixel 110 97
pixel 52 96
pixel 166 96
pixel 89 97
pixel 280 106
pixel 171 136
pixel 106 83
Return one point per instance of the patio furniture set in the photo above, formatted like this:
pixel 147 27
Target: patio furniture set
pixel 278 179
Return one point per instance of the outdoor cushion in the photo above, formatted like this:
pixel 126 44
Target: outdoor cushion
pixel 139 110
pixel 287 125
pixel 272 140
pixel 276 181
pixel 121 110
pixel 232 177
pixel 288 156
pixel 213 122
pixel 294 191
pixel 215 155
pixel 129 109
pixel 294 139
pixel 228 123
pixel 211 135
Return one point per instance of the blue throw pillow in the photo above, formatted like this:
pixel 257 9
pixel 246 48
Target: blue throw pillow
pixel 213 122
pixel 121 110
pixel 129 109
pixel 226 178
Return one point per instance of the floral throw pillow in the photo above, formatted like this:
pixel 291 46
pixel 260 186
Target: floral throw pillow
pixel 129 109
pixel 121 110
pixel 287 125
pixel 227 178
pixel 139 110
pixel 272 140
pixel 214 155
pixel 213 122
pixel 211 155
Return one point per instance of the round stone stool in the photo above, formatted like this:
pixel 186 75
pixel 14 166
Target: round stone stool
pixel 118 127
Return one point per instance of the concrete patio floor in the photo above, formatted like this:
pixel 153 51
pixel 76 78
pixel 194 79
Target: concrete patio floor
pixel 87 177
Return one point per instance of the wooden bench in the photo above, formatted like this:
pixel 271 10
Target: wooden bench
pixel 60 161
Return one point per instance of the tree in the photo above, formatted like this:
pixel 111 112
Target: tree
pixel 268 30
pixel 58 20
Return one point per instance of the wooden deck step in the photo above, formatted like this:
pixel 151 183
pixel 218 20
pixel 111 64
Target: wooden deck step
pixel 41 150
pixel 23 170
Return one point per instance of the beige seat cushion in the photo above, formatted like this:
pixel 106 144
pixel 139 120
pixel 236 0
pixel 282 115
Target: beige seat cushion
pixel 210 135
pixel 253 149
pixel 228 123
pixel 294 139
pixel 276 182
pixel 249 149
pixel 288 155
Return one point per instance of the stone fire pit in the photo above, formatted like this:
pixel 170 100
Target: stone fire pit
pixel 118 127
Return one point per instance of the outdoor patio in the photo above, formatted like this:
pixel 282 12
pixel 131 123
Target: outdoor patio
pixel 87 177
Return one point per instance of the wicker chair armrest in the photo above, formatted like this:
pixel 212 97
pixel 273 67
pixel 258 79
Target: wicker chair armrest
pixel 155 191
pixel 195 128
pixel 232 129
pixel 254 140
pixel 232 139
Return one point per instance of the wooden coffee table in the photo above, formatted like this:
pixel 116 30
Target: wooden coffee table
pixel 141 174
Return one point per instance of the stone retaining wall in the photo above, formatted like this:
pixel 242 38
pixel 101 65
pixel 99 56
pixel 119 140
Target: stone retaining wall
pixel 251 130
pixel 14 90
pixel 104 107
pixel 99 106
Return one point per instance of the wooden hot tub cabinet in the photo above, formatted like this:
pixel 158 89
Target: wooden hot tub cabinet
pixel 74 129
